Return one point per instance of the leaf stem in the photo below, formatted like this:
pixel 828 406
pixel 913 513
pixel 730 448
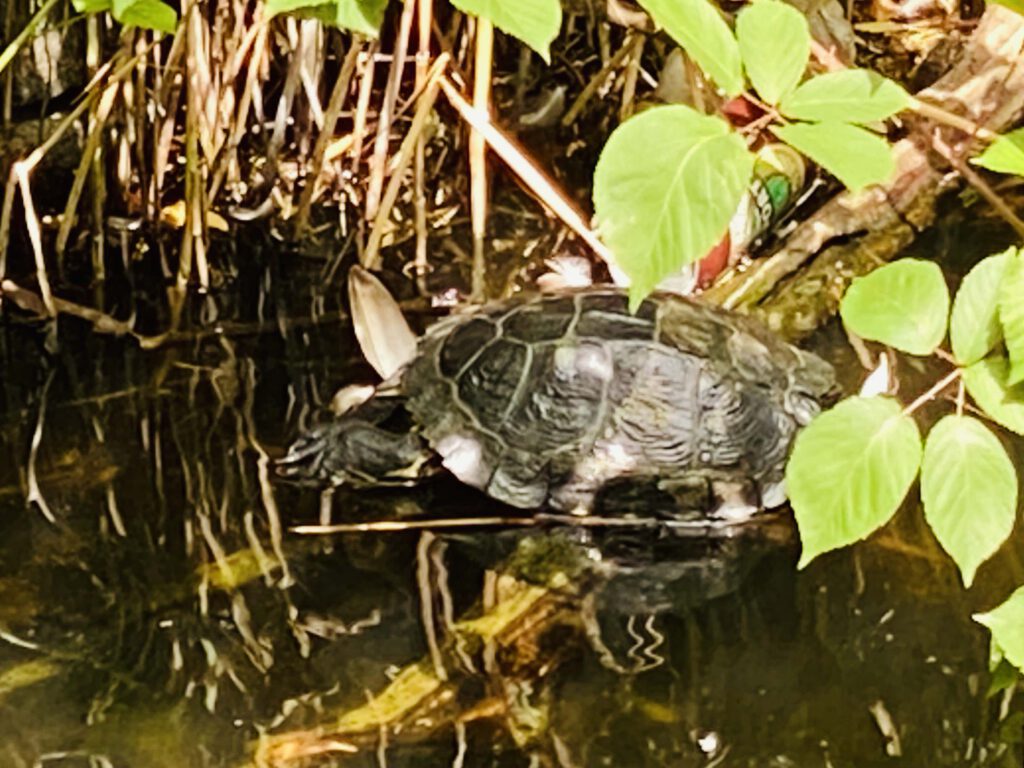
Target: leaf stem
pixel 940 385
pixel 944 116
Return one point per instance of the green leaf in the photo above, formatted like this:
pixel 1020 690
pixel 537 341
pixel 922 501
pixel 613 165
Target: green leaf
pixel 847 96
pixel 666 185
pixel 1011 314
pixel 1017 6
pixel 856 157
pixel 1004 674
pixel 974 325
pixel 92 6
pixel 702 32
pixel 850 469
pixel 775 44
pixel 148 14
pixel 363 16
pixel 986 383
pixel 535 22
pixel 1005 154
pixel 969 491
pixel 275 7
pixel 904 305
pixel 1006 623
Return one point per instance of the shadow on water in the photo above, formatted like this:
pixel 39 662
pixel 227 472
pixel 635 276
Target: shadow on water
pixel 156 610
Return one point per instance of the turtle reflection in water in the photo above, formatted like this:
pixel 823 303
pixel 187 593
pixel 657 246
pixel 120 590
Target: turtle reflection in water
pixel 553 399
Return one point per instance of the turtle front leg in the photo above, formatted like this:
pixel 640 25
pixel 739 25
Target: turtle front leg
pixel 736 501
pixel 730 500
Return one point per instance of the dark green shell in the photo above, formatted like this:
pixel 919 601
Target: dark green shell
pixel 550 398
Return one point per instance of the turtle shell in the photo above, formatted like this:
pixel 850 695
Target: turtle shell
pixel 549 399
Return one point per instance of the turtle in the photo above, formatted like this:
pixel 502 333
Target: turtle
pixel 551 400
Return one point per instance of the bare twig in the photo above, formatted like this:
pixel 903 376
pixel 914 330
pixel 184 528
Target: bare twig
pixel 933 391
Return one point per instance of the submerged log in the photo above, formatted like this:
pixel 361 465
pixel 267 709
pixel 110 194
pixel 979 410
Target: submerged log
pixel 855 232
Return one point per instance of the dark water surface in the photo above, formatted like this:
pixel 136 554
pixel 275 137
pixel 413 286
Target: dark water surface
pixel 157 612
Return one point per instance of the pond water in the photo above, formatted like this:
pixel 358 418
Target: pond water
pixel 157 610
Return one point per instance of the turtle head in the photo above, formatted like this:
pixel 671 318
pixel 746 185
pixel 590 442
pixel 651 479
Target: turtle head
pixel 353 451
pixel 313 459
pixel 812 387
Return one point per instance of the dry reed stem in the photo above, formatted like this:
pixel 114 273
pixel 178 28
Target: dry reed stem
pixel 482 66
pixel 631 77
pixel 8 53
pixel 598 80
pixel 168 96
pixel 520 163
pixel 237 131
pixel 36 155
pixel 425 14
pixel 5 222
pixel 334 105
pixel 8 75
pixel 291 84
pixel 435 78
pixel 92 144
pixel 20 171
pixel 186 256
pixel 369 62
pixel 378 162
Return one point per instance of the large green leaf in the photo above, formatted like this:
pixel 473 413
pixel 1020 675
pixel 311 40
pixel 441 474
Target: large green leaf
pixel 702 32
pixel 986 383
pixel 363 16
pixel 904 305
pixel 665 187
pixel 1006 623
pixel 775 44
pixel 535 22
pixel 974 324
pixel 850 469
pixel 1011 314
pixel 847 96
pixel 856 157
pixel 969 491
pixel 149 14
pixel 1005 154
